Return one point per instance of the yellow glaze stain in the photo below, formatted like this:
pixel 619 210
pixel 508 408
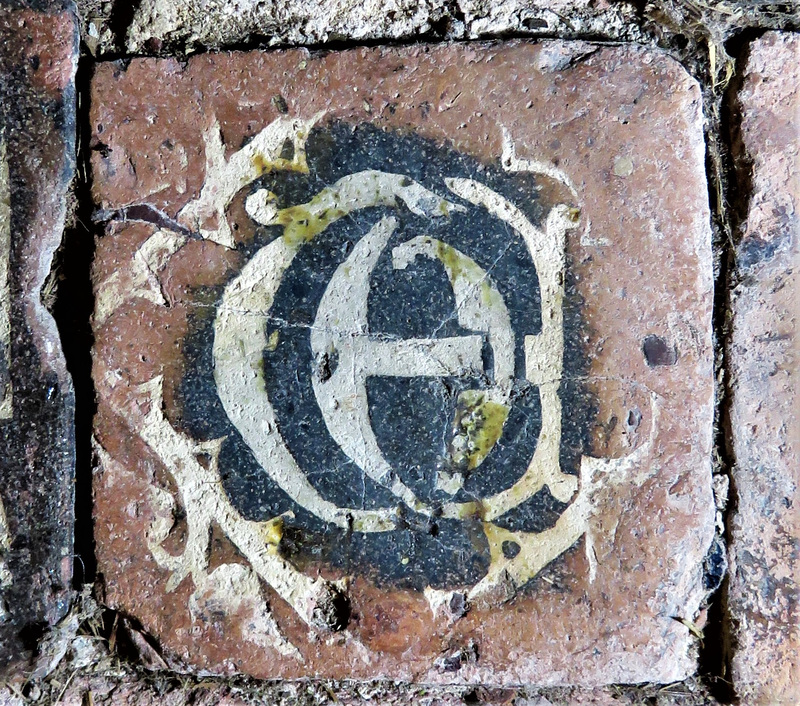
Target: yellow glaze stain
pixel 302 223
pixel 479 421
pixel 272 532
pixel 272 341
pixel 457 265
pixel 263 164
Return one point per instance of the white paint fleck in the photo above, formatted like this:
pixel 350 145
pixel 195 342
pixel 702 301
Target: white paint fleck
pixel 623 166
pixel 449 483
pixel 261 206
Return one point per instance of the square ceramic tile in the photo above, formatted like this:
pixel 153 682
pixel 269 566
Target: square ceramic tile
pixel 404 361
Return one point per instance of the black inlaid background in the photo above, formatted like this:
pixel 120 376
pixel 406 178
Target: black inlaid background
pixel 411 417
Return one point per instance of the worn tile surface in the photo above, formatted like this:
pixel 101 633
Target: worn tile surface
pixel 403 361
pixel 38 56
pixel 765 566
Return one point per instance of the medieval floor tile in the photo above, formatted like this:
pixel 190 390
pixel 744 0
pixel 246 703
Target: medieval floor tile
pixel 765 568
pixel 404 361
pixel 38 56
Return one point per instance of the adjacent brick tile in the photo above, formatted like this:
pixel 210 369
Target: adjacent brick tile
pixel 166 25
pixel 763 596
pixel 403 361
pixel 38 56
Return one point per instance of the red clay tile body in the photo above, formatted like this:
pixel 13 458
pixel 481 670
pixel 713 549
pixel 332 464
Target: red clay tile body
pixel 38 57
pixel 404 361
pixel 765 411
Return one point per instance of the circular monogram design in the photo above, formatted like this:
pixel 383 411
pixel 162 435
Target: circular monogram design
pixel 390 367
